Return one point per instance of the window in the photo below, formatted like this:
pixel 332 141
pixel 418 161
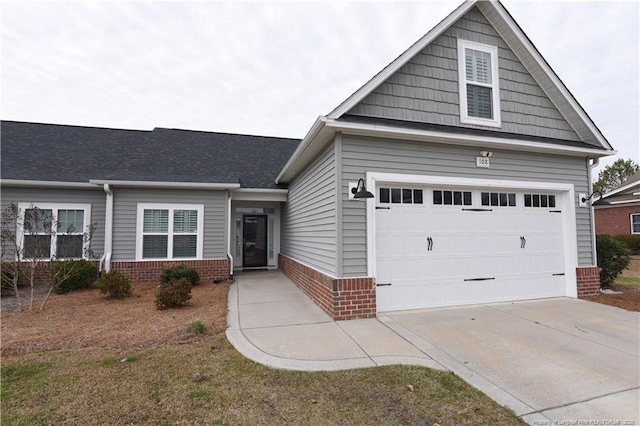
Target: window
pixel 54 230
pixel 171 231
pixel 635 223
pixel 452 198
pixel 540 200
pixel 400 196
pixel 498 199
pixel 478 84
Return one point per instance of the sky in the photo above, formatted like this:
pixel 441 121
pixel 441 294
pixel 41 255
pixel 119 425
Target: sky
pixel 271 68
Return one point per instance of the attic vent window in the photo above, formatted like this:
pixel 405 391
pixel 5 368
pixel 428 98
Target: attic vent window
pixel 478 80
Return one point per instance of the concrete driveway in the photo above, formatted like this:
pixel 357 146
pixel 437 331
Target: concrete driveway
pixel 560 359
pixel 554 359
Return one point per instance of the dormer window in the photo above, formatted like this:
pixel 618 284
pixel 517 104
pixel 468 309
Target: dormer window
pixel 478 79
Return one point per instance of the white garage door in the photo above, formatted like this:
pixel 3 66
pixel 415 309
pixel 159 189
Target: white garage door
pixel 448 246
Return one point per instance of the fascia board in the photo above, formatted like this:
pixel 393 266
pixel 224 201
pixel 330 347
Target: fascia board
pixel 621 189
pixel 304 152
pixel 46 184
pixel 522 38
pixel 165 185
pixel 461 139
pixel 401 60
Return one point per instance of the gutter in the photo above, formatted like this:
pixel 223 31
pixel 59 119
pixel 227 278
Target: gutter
pixel 45 184
pixel 108 228
pixel 164 185
pixel 590 167
pixel 230 227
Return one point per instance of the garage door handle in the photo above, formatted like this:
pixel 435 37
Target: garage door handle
pixel 429 244
pixel 523 242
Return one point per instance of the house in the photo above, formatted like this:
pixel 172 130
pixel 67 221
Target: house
pixel 621 212
pixel 476 156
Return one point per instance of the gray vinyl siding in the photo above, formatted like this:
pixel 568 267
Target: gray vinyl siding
pixel 309 215
pixel 125 210
pixel 426 88
pixel 361 155
pixel 35 196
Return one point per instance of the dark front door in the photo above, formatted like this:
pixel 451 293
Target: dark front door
pixel 255 241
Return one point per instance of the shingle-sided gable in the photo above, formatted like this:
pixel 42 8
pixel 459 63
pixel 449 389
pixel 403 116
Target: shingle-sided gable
pixel 425 89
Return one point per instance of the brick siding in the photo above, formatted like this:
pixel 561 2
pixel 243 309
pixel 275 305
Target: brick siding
pixel 149 271
pixel 614 220
pixel 588 278
pixel 340 298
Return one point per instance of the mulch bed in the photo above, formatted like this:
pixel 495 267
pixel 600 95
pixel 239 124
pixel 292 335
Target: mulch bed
pixel 87 319
pixel 629 299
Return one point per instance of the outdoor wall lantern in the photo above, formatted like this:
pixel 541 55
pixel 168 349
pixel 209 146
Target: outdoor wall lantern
pixel 599 202
pixel 360 191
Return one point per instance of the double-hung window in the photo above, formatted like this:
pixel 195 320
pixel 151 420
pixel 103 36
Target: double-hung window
pixel 635 223
pixel 169 231
pixel 478 80
pixel 54 230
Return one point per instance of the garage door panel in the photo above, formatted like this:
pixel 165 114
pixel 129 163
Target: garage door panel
pixel 435 255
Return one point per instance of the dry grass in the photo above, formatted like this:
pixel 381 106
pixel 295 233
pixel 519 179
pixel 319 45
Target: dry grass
pixel 124 362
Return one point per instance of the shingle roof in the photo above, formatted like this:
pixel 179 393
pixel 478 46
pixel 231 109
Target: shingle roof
pixel 49 152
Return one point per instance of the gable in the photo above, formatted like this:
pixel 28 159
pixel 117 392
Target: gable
pixel 425 89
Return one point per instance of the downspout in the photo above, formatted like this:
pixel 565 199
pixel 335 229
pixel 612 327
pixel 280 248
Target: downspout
pixel 108 228
pixel 229 234
pixel 594 253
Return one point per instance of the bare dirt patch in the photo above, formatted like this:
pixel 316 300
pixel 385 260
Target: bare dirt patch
pixel 87 319
pixel 629 299
pixel 629 284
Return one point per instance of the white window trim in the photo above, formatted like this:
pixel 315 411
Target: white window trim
pixel 54 207
pixel 631 220
pixel 462 84
pixel 171 207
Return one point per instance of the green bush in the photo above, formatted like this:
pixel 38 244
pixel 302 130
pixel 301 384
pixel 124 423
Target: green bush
pixel 631 241
pixel 174 294
pixel 613 258
pixel 115 285
pixel 180 271
pixel 196 327
pixel 70 275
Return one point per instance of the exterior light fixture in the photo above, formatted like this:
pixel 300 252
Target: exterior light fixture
pixel 598 202
pixel 360 191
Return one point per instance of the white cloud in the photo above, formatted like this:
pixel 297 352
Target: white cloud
pixel 272 67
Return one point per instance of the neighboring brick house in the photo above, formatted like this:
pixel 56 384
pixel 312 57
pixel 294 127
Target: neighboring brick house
pixel 622 213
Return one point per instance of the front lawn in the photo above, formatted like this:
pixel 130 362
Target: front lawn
pixel 628 285
pixel 145 369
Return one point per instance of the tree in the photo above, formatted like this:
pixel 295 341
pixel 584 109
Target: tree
pixel 10 253
pixel 614 174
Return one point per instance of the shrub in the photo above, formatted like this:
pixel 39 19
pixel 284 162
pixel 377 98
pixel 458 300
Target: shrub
pixel 69 275
pixel 613 258
pixel 115 285
pixel 174 294
pixel 631 241
pixel 196 327
pixel 180 271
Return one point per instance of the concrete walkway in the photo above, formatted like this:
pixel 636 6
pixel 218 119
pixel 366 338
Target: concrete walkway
pixel 554 359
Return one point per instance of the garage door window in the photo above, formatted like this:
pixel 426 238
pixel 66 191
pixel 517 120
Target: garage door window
pixel 400 196
pixel 452 198
pixel 498 199
pixel 539 200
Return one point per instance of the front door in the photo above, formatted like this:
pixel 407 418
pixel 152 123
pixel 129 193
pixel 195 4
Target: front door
pixel 255 241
